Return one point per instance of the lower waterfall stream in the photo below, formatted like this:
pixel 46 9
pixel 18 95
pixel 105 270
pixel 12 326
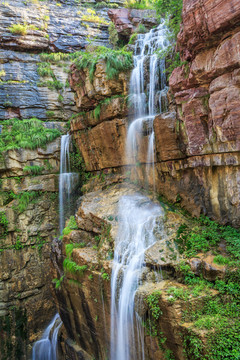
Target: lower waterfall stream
pixel 138 221
pixel 46 347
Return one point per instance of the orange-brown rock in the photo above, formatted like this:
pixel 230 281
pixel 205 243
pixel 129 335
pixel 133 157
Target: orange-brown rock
pixel 89 92
pixel 166 134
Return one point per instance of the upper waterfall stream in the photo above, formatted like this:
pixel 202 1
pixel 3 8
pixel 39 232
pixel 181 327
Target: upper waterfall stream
pixel 67 180
pixel 139 218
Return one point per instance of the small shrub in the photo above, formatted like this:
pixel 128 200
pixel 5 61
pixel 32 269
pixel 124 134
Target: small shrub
pixel 133 38
pixel 92 17
pixel 113 34
pixel 24 199
pixel 20 29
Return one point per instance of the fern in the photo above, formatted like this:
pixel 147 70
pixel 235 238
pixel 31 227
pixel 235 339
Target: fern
pixel 72 267
pixel 26 134
pixel 116 61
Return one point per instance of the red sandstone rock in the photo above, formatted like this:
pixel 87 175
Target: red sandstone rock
pixel 127 20
pixel 203 20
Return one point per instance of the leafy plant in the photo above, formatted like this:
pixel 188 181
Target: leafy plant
pixel 92 17
pixel 171 10
pixel 72 267
pixel 26 134
pixel 71 225
pixel 58 282
pixel 116 61
pixel 33 169
pixel 24 199
pixel 3 223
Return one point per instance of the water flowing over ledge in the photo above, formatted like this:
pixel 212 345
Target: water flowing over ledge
pixel 46 347
pixel 138 216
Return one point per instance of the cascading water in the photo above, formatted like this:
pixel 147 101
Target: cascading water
pixel 46 347
pixel 147 93
pixel 137 226
pixel 140 220
pixel 67 179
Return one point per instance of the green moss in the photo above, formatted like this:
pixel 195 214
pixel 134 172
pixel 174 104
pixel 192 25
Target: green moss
pixel 3 224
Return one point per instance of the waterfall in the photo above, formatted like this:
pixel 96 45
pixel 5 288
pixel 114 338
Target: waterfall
pixel 140 219
pixel 46 347
pixel 67 181
pixel 137 226
pixel 147 93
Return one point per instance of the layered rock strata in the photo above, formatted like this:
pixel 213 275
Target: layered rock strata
pixel 197 141
pixel 29 222
pixel 48 27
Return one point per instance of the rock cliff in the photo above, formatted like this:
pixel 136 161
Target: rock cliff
pixel 28 224
pixel 197 142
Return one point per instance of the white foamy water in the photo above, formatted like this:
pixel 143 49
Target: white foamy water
pixel 147 92
pixel 67 180
pixel 139 217
pixel 137 224
pixel 46 347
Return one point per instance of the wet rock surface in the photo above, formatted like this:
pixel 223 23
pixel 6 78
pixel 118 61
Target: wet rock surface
pixel 29 204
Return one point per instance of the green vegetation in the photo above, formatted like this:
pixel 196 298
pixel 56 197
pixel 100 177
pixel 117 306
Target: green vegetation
pixel 116 61
pixel 92 17
pixel 24 199
pixel 113 35
pixel 72 267
pixel 20 29
pixel 70 247
pixel 71 225
pixel 51 84
pixel 78 165
pixel 44 69
pixel 203 234
pixel 135 4
pixel 171 10
pixel 3 224
pixel 33 169
pixel 133 38
pixel 26 134
pixel 58 282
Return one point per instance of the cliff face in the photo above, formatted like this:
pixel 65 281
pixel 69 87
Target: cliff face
pixel 206 91
pixel 48 27
pixel 29 222
pixel 197 164
pixel 197 142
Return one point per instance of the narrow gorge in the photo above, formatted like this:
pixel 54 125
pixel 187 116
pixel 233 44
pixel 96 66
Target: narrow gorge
pixel 119 188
